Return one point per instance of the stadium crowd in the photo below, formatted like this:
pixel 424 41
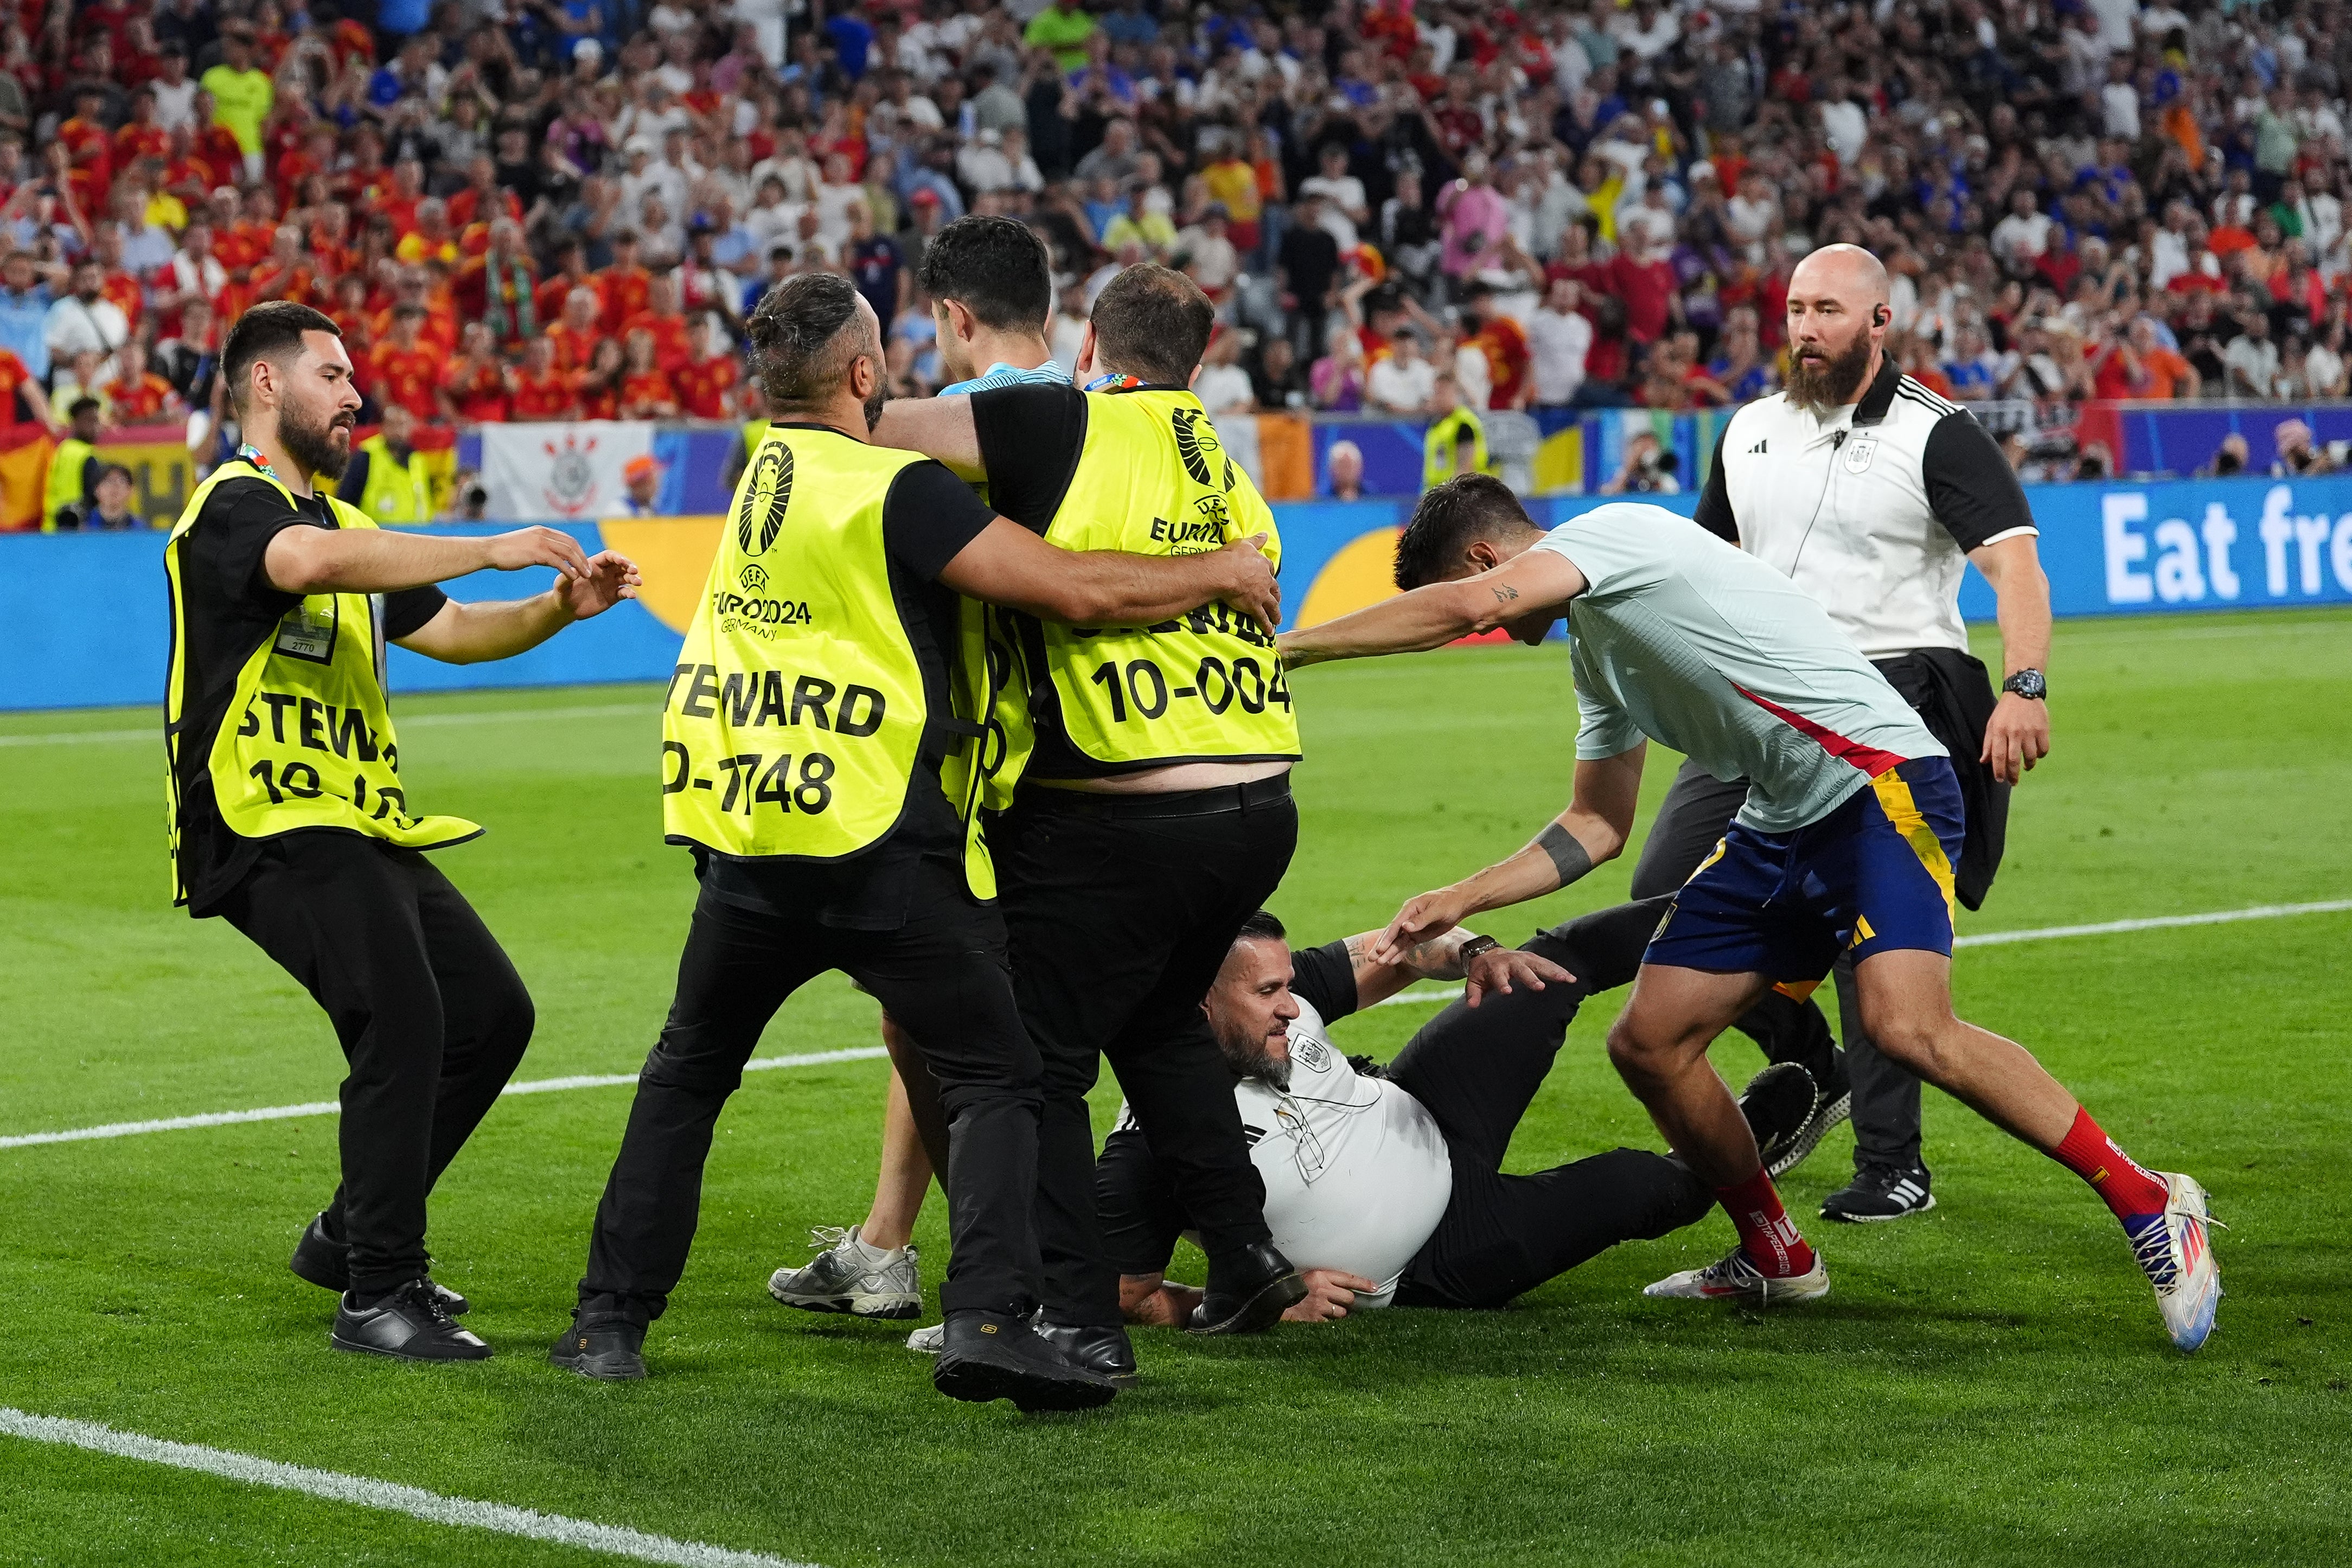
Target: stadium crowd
pixel 565 209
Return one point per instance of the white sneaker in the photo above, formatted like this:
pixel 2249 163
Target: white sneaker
pixel 2177 1255
pixel 928 1341
pixel 1735 1278
pixel 850 1277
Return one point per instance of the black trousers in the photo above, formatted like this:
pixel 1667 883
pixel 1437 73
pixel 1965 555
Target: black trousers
pixel 1120 910
pixel 943 975
pixel 1885 1094
pixel 1477 1072
pixel 431 1015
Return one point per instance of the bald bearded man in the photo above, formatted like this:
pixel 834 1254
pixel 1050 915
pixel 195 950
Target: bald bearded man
pixel 1874 494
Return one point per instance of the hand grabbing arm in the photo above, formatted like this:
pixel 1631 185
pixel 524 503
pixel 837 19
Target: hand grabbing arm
pixel 1008 565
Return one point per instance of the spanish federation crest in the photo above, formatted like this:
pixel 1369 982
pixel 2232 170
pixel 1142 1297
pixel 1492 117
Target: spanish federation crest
pixel 1859 453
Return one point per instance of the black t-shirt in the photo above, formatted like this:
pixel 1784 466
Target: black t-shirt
pixel 1135 1190
pixel 227 609
pixel 927 517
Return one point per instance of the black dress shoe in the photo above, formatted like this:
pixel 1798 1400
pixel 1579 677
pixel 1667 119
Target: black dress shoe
pixel 608 1349
pixel 410 1324
pixel 991 1356
pixel 1247 1293
pixel 327 1263
pixel 1105 1350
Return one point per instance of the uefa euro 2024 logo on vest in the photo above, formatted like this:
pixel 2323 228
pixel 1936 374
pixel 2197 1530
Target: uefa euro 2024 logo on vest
pixel 570 488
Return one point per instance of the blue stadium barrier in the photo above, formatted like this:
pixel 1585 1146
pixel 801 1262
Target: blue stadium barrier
pixel 84 621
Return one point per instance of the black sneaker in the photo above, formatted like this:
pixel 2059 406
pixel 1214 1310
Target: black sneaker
pixel 410 1324
pixel 1108 1351
pixel 608 1349
pixel 1832 1103
pixel 989 1356
pixel 1778 1104
pixel 1247 1293
pixel 327 1263
pixel 1880 1193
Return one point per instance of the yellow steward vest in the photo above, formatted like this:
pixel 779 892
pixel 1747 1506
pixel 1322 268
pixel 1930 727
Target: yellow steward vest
pixel 1437 447
pixel 397 493
pixel 64 487
pixel 1152 479
pixel 307 740
pixel 796 717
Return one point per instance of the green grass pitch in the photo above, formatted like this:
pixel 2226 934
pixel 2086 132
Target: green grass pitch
pixel 1988 1384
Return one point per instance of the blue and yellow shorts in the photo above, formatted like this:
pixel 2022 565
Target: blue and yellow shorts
pixel 1874 874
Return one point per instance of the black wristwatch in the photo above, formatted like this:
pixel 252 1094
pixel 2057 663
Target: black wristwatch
pixel 1475 946
pixel 2028 683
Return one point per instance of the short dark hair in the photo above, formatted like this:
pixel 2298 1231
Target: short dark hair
pixel 267 332
pixel 81 404
pixel 1153 322
pixel 995 268
pixel 1262 927
pixel 802 344
pixel 1466 508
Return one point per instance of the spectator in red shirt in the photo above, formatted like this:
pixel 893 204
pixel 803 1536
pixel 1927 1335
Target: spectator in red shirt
pixel 138 395
pixel 597 388
pixel 647 392
pixel 1646 285
pixel 571 273
pixel 474 388
pixel 482 200
pixel 575 337
pixel 706 381
pixel 662 320
pixel 140 137
pixel 500 286
pixel 403 369
pixel 1504 341
pixel 399 203
pixel 542 388
pixel 625 285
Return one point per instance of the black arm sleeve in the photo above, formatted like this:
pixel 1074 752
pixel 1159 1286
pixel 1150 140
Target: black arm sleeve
pixel 1136 1195
pixel 1030 436
pixel 1713 512
pixel 228 548
pixel 1971 488
pixel 930 516
pixel 1324 980
pixel 407 612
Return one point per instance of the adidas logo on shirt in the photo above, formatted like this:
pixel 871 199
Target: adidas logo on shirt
pixel 1756 449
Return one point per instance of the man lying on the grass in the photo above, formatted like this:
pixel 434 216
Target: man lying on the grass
pixel 1384 1185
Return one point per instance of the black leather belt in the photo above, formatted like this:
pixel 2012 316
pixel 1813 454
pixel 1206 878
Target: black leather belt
pixel 1258 793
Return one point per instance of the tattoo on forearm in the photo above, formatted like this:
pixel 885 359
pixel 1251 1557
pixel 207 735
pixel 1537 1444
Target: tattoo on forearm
pixel 1505 592
pixel 1567 856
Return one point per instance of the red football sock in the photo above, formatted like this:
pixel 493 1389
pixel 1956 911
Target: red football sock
pixel 2127 1187
pixel 1766 1233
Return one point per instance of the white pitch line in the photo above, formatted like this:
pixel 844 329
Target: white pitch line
pixel 363 1491
pixel 867 1053
pixel 421 721
pixel 2037 934
pixel 329 1107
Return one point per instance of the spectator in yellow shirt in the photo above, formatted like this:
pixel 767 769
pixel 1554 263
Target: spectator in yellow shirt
pixel 1064 28
pixel 242 96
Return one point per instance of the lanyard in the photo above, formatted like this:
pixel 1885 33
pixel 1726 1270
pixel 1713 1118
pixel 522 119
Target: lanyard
pixel 250 454
pixel 1113 383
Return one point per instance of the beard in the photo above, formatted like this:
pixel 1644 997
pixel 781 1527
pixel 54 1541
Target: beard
pixel 880 394
pixel 324 447
pixel 1818 388
pixel 1251 1057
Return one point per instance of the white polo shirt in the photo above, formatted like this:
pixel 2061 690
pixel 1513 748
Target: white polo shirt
pixel 1871 510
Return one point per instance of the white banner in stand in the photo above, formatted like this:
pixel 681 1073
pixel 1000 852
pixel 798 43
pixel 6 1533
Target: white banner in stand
pixel 571 472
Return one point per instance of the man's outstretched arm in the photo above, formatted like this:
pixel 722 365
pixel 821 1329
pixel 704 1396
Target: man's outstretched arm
pixel 475 634
pixel 1006 564
pixel 376 560
pixel 1531 585
pixel 1440 959
pixel 1594 828
pixel 941 427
